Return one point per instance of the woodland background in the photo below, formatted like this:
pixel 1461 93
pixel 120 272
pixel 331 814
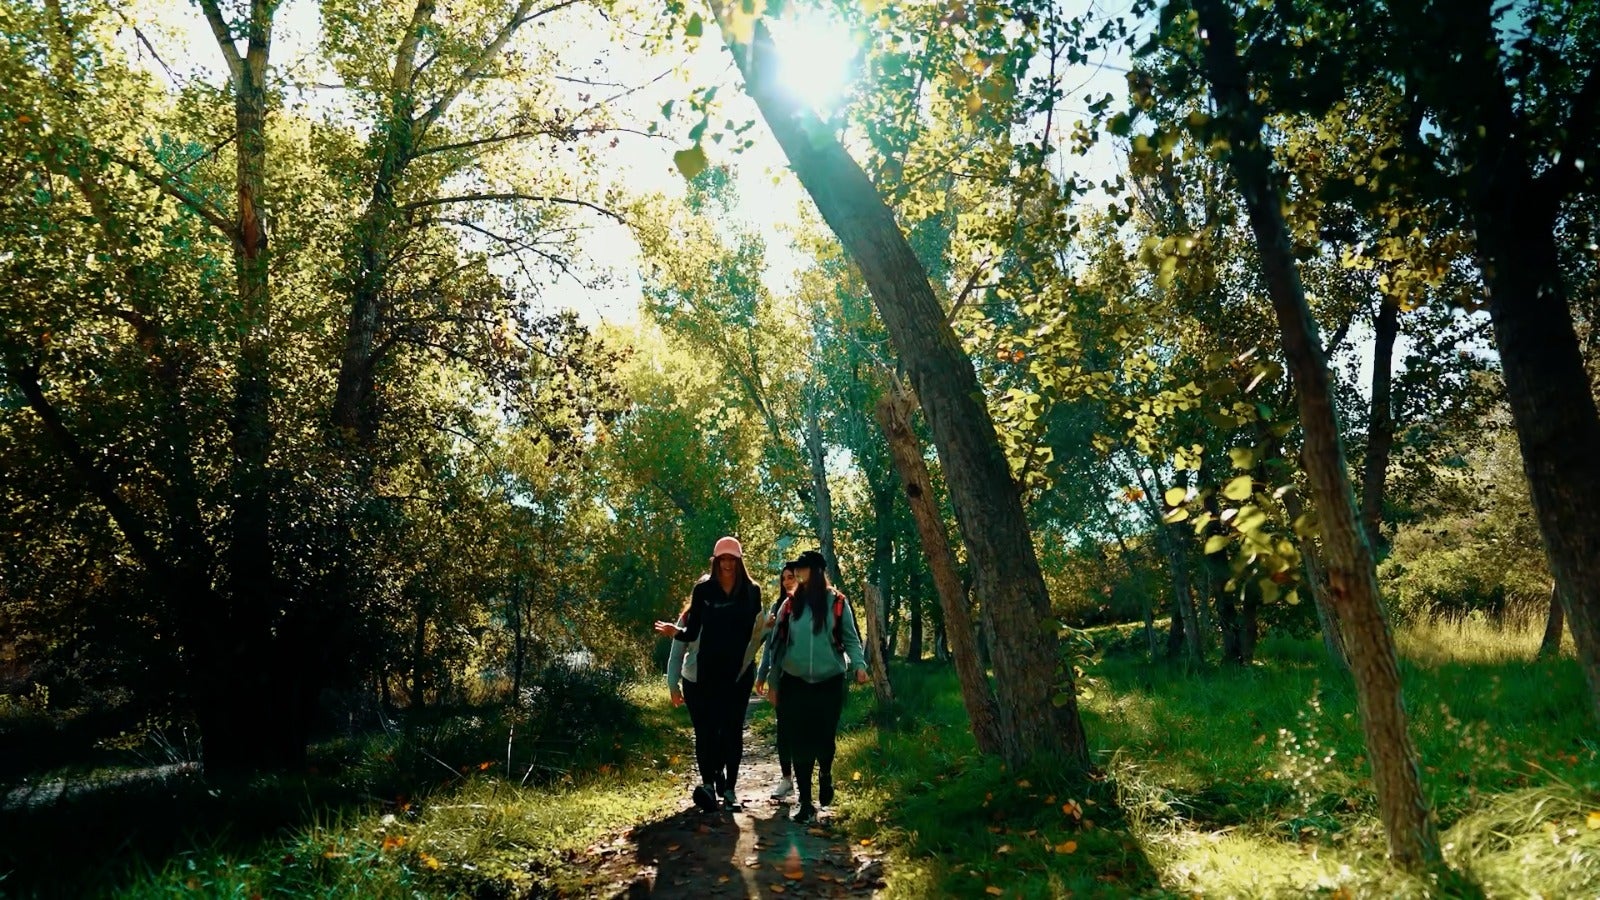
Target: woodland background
pixel 1249 393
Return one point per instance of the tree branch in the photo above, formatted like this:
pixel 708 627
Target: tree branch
pixel 503 196
pixel 1564 177
pixel 170 187
pixel 476 68
pixel 224 36
pixel 26 377
pixel 966 291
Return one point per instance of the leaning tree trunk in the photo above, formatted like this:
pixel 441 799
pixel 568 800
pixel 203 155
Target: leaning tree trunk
pixel 1550 644
pixel 1552 407
pixel 1353 583
pixel 894 414
pixel 1514 216
pixel 1380 422
pixel 1006 575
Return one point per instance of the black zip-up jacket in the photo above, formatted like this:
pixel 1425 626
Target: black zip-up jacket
pixel 723 624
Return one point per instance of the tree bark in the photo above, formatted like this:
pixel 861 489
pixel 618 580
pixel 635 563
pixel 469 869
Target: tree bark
pixel 1183 603
pixel 1006 575
pixel 1550 644
pixel 1514 215
pixel 894 414
pixel 1317 583
pixel 874 641
pixel 821 496
pixel 1413 837
pixel 914 600
pixel 1551 404
pixel 1380 423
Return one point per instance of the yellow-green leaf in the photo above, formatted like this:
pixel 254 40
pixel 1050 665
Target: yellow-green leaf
pixel 690 162
pixel 1216 542
pixel 1175 495
pixel 1239 488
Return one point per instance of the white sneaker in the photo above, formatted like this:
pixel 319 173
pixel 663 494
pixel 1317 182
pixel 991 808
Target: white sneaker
pixel 784 788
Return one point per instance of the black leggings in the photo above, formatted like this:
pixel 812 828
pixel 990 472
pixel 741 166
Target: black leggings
pixel 808 727
pixel 717 711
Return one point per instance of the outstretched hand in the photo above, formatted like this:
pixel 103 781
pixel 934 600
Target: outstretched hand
pixel 667 629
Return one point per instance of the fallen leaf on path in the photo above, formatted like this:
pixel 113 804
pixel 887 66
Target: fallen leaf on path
pixel 778 889
pixel 1594 821
pixel 1004 848
pixel 723 879
pixel 393 841
pixel 866 842
pixel 672 848
pixel 1024 784
pixel 816 832
pixel 795 874
pixel 1067 847
pixel 991 889
pixel 855 776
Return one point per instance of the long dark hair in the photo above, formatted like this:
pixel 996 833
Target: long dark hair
pixel 814 594
pixel 741 576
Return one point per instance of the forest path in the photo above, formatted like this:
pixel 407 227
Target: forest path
pixel 754 851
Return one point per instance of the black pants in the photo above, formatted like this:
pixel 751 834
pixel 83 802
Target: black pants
pixel 808 727
pixel 717 708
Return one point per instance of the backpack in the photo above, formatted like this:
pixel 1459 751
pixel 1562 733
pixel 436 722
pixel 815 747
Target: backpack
pixel 784 616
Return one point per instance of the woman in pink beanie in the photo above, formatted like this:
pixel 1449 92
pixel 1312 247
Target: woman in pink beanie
pixel 724 617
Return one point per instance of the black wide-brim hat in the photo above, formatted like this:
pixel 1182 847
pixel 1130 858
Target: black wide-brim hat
pixel 811 559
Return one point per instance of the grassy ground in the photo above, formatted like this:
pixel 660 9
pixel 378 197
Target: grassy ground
pixel 1229 782
pixel 1249 782
pixel 370 821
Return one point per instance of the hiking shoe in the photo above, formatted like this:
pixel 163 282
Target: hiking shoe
pixel 825 790
pixel 730 799
pixel 705 798
pixel 805 815
pixel 784 788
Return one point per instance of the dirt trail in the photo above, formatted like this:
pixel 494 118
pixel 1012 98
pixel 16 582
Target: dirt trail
pixel 755 851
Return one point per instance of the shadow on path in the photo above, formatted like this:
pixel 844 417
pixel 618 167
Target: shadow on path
pixel 749 852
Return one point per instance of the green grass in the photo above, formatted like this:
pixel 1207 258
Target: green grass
pixel 1231 782
pixel 373 820
pixel 1249 781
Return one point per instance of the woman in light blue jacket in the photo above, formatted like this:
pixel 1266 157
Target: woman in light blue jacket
pixel 816 643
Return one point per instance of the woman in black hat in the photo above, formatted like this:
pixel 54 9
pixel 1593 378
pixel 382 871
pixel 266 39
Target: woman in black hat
pixel 815 645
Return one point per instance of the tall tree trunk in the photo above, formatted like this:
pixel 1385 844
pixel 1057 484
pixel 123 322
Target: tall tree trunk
pixel 878 660
pixel 1380 422
pixel 1514 216
pixel 1228 615
pixel 1550 644
pixel 1177 641
pixel 1413 838
pixel 1552 407
pixel 894 414
pixel 914 600
pixel 1250 626
pixel 1006 575
pixel 1317 584
pixel 822 498
pixel 1183 603
pixel 244 661
pixel 883 555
